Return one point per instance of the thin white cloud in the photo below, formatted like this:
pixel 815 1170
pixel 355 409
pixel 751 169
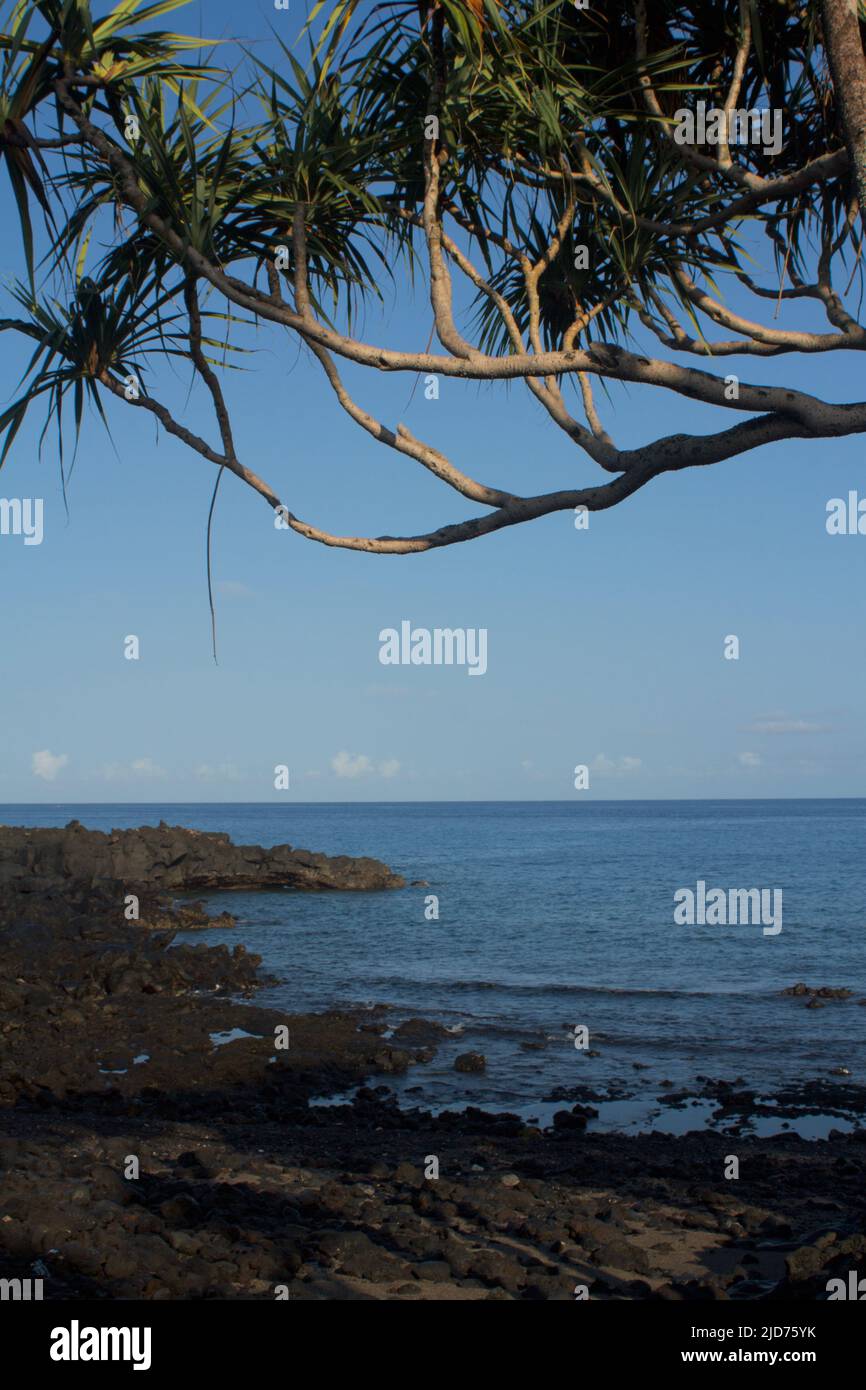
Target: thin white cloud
pixel 749 759
pixel 614 767
pixel 222 772
pixel 47 765
pixel 352 765
pixel 785 726
pixel 143 768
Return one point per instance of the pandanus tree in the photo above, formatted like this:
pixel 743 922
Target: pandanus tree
pixel 526 159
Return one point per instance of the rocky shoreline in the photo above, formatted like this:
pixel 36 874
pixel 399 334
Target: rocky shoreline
pixel 170 859
pixel 161 1137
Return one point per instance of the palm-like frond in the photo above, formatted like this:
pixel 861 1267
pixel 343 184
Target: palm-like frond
pixel 536 103
pixel 76 342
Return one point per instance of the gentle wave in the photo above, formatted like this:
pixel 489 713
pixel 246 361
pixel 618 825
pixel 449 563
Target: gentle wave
pixel 557 987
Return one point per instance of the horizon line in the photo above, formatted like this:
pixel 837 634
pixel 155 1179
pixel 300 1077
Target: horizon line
pixel 450 801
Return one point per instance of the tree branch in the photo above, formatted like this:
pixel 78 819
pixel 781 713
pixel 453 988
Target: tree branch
pixel 845 55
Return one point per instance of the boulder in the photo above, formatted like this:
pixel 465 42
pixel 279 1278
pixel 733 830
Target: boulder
pixel 470 1062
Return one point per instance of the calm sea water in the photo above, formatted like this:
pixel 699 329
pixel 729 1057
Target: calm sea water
pixel 557 914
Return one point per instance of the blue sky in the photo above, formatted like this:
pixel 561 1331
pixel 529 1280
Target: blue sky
pixel 605 646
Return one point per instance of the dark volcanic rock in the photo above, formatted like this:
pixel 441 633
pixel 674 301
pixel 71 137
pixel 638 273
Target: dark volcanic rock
pixel 470 1061
pixel 420 1031
pixel 170 859
pixel 824 992
pixel 116 1043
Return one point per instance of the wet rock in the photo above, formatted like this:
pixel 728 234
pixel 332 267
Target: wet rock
pixel 419 1031
pixel 244 1185
pixel 470 1062
pixel 801 990
pixel 567 1119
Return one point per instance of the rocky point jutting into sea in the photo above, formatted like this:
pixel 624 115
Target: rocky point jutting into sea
pixel 118 1042
pixel 170 859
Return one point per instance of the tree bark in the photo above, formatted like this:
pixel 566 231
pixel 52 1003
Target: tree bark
pixel 847 64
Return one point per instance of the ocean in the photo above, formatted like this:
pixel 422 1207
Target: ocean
pixel 557 916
